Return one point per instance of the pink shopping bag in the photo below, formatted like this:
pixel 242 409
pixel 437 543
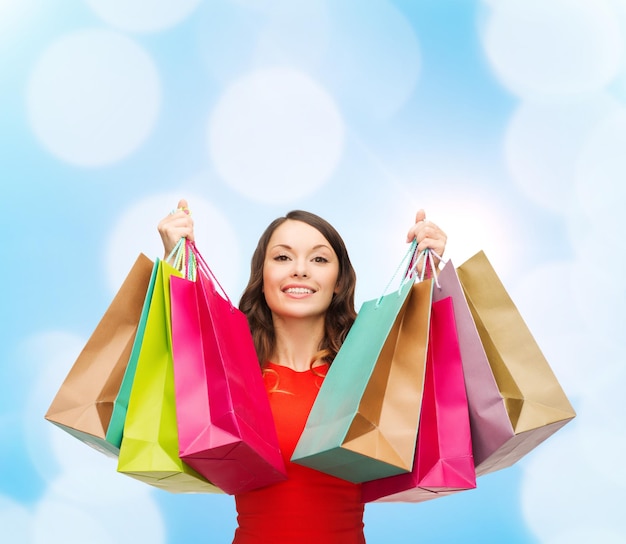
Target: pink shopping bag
pixel 443 458
pixel 225 425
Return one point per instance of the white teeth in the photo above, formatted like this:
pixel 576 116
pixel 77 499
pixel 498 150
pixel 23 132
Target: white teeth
pixel 298 291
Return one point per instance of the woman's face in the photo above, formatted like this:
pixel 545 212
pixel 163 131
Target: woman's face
pixel 300 271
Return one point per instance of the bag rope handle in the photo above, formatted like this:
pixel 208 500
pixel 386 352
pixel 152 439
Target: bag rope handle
pixel 183 260
pixel 204 269
pixel 429 260
pixel 411 260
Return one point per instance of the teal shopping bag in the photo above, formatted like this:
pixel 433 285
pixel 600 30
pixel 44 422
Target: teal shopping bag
pixel 363 424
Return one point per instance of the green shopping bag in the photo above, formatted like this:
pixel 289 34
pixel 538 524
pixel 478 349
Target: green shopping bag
pixel 363 424
pixel 149 448
pixel 120 405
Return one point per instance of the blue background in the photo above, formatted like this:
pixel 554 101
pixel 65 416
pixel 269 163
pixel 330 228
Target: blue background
pixel 504 119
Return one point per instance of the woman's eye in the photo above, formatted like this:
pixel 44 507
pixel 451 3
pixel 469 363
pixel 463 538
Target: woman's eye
pixel 281 258
pixel 320 260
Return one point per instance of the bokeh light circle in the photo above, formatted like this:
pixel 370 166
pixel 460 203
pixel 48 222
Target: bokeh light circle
pixel 221 251
pixel 143 15
pixel 93 97
pixel 276 136
pixel 540 48
pixel 543 143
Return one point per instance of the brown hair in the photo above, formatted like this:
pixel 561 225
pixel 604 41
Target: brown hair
pixel 340 314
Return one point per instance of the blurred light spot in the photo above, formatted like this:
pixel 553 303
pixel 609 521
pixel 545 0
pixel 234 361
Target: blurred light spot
pixel 93 97
pixel 579 532
pixel 136 232
pixel 373 58
pixel 556 47
pixel 543 143
pixel 560 485
pixel 57 521
pixel 275 136
pixel 16 522
pixel 50 356
pixel 546 298
pixel 143 15
pixel 603 416
pixel 600 185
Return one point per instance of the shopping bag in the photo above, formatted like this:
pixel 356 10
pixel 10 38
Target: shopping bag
pixel 443 457
pixel 225 424
pixel 535 403
pixel 149 449
pixel 363 424
pixel 84 403
pixel 120 405
pixel 490 424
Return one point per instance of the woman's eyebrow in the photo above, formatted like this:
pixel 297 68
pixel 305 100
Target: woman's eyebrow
pixel 287 246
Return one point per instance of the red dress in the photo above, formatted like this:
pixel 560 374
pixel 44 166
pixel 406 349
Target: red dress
pixel 310 506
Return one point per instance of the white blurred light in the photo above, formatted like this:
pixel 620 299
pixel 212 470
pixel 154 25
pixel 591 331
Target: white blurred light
pixel 50 356
pixel 543 143
pixel 93 97
pixel 143 15
pixel 293 34
pixel 135 231
pixel 16 522
pixel 561 485
pixel 541 48
pixel 600 185
pixel 58 521
pixel 276 136
pixel 602 418
pixel 546 298
pixel 474 220
pixel 373 59
pixel 579 532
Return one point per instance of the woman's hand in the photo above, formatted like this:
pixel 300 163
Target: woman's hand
pixel 428 235
pixel 178 224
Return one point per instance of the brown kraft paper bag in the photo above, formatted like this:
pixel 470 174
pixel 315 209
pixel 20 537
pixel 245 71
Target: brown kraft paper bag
pixel 84 402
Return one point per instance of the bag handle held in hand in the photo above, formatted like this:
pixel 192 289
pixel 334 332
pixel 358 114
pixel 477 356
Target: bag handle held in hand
pixel 429 260
pixel 183 260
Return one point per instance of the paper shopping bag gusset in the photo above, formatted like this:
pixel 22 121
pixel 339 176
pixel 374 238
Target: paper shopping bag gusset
pixel 443 457
pixel 149 449
pixel 363 424
pixel 225 424
pixel 84 403
pixel 535 403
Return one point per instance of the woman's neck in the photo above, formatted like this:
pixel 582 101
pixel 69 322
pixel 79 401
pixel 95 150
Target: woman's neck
pixel 297 342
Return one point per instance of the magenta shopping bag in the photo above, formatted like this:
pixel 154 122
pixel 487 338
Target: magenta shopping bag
pixel 225 425
pixel 443 459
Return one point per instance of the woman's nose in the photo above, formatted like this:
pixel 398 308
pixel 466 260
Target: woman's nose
pixel 300 270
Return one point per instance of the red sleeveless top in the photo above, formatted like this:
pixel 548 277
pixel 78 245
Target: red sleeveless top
pixel 310 506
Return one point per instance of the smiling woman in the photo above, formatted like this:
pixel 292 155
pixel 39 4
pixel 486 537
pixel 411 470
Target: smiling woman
pixel 300 250
pixel 299 302
pixel 300 276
